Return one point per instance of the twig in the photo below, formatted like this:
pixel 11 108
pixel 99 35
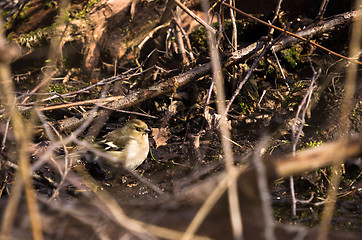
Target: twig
pixel 194 16
pixel 52 139
pixel 103 82
pixel 67 165
pixel 261 98
pixel 235 30
pixel 43 83
pixel 234 41
pixel 315 158
pixel 150 35
pixel 303 105
pixel 129 112
pixel 279 66
pixel 277 10
pixel 3 142
pixel 250 71
pixel 322 9
pixel 308 200
pixel 209 93
pixel 234 207
pixel 181 46
pixel 23 133
pixel 53 146
pixel 187 39
pixel 132 225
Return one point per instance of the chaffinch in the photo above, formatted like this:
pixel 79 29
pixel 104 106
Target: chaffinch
pixel 128 144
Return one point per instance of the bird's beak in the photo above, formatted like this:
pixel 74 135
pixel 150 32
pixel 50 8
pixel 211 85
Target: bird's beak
pixel 147 131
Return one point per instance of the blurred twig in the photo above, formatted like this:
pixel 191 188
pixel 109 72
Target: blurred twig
pixel 23 133
pixel 314 158
pixel 234 209
pixel 262 181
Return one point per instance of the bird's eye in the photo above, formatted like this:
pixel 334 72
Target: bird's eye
pixel 138 129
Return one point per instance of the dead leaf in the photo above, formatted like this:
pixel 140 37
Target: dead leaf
pixel 161 135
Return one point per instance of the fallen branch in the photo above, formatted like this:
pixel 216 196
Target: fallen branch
pixel 330 24
pixel 341 19
pixel 122 102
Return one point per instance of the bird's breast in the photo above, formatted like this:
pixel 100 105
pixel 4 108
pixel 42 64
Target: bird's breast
pixel 137 152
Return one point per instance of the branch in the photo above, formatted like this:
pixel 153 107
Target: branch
pixel 340 19
pixel 122 102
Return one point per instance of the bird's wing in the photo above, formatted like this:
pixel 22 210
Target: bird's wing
pixel 116 143
pixel 114 134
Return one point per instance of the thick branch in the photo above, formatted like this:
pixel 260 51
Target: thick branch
pixel 121 102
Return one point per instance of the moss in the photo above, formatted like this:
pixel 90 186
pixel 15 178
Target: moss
pixel 270 72
pixel 199 41
pixel 313 144
pixel 291 56
pixel 356 115
pixel 82 13
pixel 4 14
pixel 51 4
pixel 297 92
pixel 59 88
pixel 35 38
pixel 244 107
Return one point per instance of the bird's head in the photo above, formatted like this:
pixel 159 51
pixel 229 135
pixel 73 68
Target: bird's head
pixel 135 128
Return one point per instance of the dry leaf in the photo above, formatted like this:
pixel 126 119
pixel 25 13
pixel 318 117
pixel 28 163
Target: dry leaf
pixel 161 135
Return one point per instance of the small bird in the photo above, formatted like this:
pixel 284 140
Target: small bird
pixel 128 144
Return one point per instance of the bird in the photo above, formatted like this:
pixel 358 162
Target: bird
pixel 128 145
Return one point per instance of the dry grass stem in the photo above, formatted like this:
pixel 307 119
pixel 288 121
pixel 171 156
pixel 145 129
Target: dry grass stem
pixel 262 181
pixel 234 208
pixel 23 135
pixel 297 130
